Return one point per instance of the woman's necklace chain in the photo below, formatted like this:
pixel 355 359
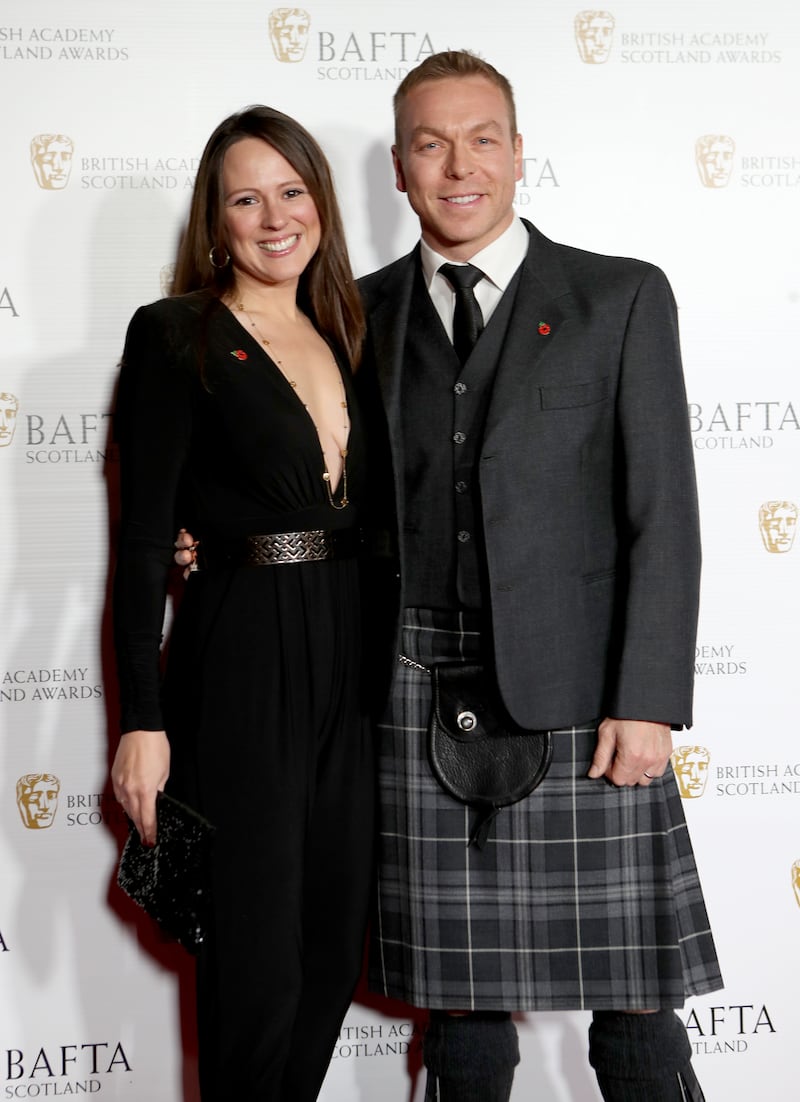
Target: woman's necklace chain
pixel 326 476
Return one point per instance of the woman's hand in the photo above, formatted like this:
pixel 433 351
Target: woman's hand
pixel 186 553
pixel 140 770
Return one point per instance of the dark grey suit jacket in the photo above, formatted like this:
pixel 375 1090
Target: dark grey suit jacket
pixel 586 481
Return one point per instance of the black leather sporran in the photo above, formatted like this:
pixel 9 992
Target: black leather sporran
pixel 477 753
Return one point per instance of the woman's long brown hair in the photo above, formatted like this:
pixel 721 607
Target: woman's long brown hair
pixel 327 290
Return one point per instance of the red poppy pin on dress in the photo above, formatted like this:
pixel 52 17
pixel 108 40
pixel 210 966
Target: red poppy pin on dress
pixel 544 329
pixel 239 353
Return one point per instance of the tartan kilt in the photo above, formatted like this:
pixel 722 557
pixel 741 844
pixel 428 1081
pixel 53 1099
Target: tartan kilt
pixel 586 896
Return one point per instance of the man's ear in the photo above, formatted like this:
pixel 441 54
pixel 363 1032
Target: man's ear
pixel 399 175
pixel 518 164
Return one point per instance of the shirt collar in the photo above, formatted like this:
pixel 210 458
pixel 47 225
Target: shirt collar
pixel 498 261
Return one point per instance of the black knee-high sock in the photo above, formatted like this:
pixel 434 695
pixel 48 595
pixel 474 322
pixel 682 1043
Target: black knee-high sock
pixel 642 1057
pixel 470 1058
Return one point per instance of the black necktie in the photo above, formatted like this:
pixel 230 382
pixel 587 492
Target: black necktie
pixel 467 318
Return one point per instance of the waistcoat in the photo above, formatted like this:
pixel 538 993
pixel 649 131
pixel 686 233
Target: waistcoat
pixel 444 408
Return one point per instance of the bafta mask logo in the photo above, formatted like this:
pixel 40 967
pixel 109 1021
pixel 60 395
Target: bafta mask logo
pixel 37 799
pixel 593 33
pixel 691 770
pixel 777 522
pixel 51 157
pixel 166 278
pixel 288 33
pixel 796 881
pixel 713 154
pixel 9 407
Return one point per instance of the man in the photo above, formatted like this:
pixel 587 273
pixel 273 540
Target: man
pixel 541 497
pixel 534 510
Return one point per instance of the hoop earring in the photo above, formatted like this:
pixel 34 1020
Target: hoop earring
pixel 213 258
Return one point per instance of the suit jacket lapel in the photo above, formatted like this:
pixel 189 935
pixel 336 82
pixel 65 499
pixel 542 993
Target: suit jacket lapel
pixel 388 320
pixel 541 313
pixel 388 308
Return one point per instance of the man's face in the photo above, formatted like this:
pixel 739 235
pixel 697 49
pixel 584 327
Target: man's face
pixel 458 162
pixel 8 420
pixel 38 804
pixel 52 164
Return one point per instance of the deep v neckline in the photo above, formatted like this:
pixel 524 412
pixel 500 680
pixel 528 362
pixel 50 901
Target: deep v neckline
pixel 333 488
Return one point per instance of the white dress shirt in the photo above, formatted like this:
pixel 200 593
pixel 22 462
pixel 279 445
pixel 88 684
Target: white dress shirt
pixel 498 262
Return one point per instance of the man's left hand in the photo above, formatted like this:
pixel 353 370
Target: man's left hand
pixel 631 751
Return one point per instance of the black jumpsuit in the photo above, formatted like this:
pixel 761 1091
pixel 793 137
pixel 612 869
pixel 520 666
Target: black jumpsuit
pixel 261 697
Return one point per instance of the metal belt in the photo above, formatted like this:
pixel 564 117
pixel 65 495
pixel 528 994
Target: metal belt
pixel 281 547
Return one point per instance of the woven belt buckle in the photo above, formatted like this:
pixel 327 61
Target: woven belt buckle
pixel 281 547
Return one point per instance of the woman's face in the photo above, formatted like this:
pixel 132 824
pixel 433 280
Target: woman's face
pixel 271 222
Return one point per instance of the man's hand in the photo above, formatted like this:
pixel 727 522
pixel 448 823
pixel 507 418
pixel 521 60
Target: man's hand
pixel 631 751
pixel 186 553
pixel 140 770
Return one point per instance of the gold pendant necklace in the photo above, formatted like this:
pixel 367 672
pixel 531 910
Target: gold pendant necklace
pixel 326 477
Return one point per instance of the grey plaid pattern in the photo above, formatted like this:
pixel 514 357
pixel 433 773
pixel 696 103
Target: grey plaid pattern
pixel 585 897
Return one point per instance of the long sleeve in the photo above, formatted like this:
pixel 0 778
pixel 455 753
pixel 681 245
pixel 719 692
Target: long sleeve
pixel 659 517
pixel 153 425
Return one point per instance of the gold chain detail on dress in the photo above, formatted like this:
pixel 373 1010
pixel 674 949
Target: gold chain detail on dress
pixel 326 476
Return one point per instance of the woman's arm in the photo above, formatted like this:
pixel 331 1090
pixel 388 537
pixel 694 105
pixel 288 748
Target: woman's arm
pixel 153 427
pixel 140 770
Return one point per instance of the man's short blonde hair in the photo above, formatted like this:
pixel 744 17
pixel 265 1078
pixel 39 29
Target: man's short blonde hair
pixel 453 63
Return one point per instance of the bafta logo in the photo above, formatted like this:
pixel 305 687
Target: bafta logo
pixel 9 407
pixel 288 33
pixel 796 881
pixel 166 279
pixel 713 154
pixel 37 799
pixel 51 157
pixel 691 770
pixel 777 522
pixel 593 33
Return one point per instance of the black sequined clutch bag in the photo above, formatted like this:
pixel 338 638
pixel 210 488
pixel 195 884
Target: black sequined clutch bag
pixel 171 880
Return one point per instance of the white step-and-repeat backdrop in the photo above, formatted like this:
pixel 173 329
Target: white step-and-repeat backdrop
pixel 667 131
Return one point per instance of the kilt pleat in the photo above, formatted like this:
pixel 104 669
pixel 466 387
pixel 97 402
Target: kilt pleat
pixel 586 896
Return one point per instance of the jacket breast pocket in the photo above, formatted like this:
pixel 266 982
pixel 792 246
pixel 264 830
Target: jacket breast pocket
pixel 574 394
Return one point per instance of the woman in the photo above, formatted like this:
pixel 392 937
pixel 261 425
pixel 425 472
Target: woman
pixel 235 417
